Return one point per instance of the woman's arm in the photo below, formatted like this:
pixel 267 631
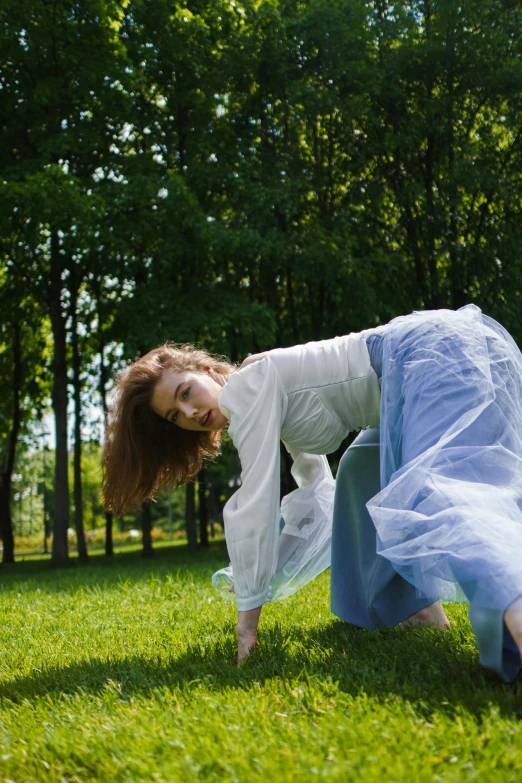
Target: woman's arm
pixel 247 632
pixel 256 399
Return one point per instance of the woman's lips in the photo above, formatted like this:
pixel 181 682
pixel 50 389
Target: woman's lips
pixel 208 419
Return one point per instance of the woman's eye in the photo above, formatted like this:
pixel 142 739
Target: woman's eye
pixel 174 417
pixel 185 392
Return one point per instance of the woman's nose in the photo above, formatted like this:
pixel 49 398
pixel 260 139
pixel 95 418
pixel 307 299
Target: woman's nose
pixel 190 411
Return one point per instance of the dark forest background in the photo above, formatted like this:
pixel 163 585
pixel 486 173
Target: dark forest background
pixel 242 175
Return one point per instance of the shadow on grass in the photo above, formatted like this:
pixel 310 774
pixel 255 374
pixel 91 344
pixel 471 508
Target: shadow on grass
pixel 433 670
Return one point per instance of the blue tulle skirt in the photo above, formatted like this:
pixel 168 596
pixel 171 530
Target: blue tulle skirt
pixel 449 516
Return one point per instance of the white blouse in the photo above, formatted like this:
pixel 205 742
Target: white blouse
pixel 311 396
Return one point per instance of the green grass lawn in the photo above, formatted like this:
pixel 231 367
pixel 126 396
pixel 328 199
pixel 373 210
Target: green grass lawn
pixel 125 671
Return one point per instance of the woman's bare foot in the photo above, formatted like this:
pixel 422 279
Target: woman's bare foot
pixel 513 620
pixel 433 614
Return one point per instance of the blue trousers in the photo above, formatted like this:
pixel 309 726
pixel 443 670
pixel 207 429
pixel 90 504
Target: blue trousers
pixel 365 588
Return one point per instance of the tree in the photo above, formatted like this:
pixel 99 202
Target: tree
pixel 23 379
pixel 202 508
pixel 249 175
pixel 444 130
pixel 60 65
pixel 190 516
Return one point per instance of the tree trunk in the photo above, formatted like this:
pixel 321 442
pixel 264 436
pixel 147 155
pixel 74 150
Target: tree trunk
pixel 146 527
pixel 44 500
pixel 102 388
pixel 60 550
pixel 431 223
pixel 213 509
pixel 190 517
pixel 6 521
pixel 203 509
pixel 83 557
pixel 291 304
pixel 109 548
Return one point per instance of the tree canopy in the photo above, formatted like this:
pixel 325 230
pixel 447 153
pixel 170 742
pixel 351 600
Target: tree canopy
pixel 244 174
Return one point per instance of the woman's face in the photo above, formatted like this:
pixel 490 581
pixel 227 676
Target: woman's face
pixel 190 400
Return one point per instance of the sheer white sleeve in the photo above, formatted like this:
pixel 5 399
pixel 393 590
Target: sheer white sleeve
pixel 273 550
pixel 256 401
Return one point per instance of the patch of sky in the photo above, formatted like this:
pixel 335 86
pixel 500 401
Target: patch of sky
pixel 116 177
pixel 22 40
pixel 127 132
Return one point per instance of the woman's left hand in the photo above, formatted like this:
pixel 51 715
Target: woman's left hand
pixel 247 632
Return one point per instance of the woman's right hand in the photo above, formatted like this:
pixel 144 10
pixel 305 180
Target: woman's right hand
pixel 247 632
pixel 244 645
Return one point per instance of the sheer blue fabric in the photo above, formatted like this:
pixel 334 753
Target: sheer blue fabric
pixel 449 516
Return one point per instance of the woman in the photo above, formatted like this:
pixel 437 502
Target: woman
pixel 450 412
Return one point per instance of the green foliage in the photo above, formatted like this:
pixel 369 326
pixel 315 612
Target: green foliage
pixel 20 311
pixel 126 672
pixel 251 174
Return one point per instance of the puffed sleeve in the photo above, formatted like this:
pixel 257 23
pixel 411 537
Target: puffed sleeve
pixel 304 543
pixel 255 401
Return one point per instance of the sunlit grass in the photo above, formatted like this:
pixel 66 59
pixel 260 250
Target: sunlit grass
pixel 125 671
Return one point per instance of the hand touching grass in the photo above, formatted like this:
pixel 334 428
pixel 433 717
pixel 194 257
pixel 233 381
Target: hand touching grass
pixel 247 632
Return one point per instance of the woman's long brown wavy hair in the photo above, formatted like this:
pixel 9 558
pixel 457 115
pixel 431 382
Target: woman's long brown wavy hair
pixel 143 451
